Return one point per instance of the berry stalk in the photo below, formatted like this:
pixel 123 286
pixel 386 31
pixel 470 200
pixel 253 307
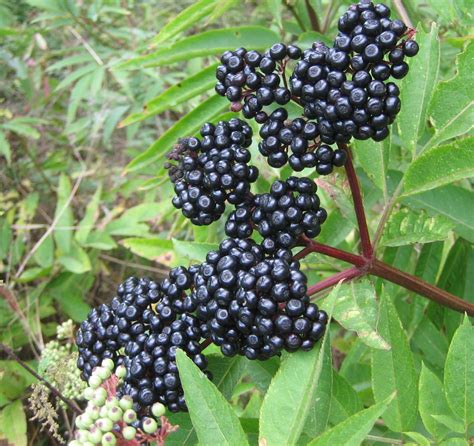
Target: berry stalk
pixel 343 276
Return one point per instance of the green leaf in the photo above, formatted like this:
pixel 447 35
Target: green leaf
pixel 76 260
pixel 290 399
pixel 307 38
pixel 420 439
pixel 92 212
pixel 226 372
pixel 353 430
pixel 262 372
pixel 455 161
pixel 355 308
pixel 406 227
pixel 453 423
pixel 14 380
pixel 432 343
pixel 451 201
pixel 21 128
pixel 186 126
pixel 344 400
pixel 432 401
pixel 75 75
pixel 452 107
pixel 5 147
pixel 177 94
pixel 454 442
pixel 373 157
pixel 44 255
pixel 185 19
pixel 193 250
pixel 459 373
pixel 205 44
pixel 212 416
pixel 417 88
pixel 394 370
pixel 13 424
pixel 63 215
pixel 148 248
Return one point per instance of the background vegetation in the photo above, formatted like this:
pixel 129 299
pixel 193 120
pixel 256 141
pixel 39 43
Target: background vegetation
pixel 84 203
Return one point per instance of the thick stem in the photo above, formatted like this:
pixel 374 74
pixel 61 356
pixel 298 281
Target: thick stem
pixel 343 276
pixel 71 404
pixel 312 246
pixel 415 284
pixel 367 249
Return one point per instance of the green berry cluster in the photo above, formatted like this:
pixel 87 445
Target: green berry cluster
pixel 108 419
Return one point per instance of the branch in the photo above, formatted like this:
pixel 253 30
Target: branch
pixel 71 404
pixel 313 17
pixel 367 249
pixel 348 274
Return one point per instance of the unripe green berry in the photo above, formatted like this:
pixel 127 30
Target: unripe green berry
pixel 74 443
pixel 149 425
pixel 129 416
pixel 93 412
pixel 104 424
pixel 103 412
pixel 120 371
pixel 95 435
pixel 88 393
pixel 129 432
pixel 95 381
pixel 100 396
pixel 82 435
pixel 87 443
pixel 86 420
pixel 103 373
pixel 126 402
pixel 109 439
pixel 115 413
pixel 108 364
pixel 158 410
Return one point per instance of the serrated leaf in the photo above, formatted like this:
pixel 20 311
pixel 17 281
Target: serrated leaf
pixel 148 248
pixel 452 107
pixel 186 126
pixel 406 227
pixel 459 375
pixel 373 157
pixel 64 216
pixel 290 399
pixel 344 400
pixel 451 201
pixel 177 94
pixel 455 161
pixel 193 250
pixel 213 418
pixel 206 44
pixel 417 88
pixel 184 20
pixel 394 371
pixel 5 147
pixel 13 424
pixel 353 431
pixel 432 401
pixel 356 308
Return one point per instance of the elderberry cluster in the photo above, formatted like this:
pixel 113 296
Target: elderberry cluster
pixel 291 209
pixel 281 136
pixel 212 171
pixel 255 78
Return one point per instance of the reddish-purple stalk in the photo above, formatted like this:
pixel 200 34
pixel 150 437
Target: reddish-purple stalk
pixel 368 264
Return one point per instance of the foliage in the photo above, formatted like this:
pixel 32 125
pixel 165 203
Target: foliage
pixel 95 92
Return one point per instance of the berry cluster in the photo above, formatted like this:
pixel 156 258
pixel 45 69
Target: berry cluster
pixel 289 210
pixel 369 50
pixel 212 171
pixel 280 134
pixel 109 419
pixel 255 78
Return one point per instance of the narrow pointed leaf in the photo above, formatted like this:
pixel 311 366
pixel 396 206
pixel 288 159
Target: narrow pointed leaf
pixel 177 94
pixel 394 371
pixel 213 418
pixel 353 431
pixel 206 44
pixel 290 399
pixel 417 88
pixel 452 107
pixel 432 401
pixel 459 375
pixel 344 400
pixel 455 160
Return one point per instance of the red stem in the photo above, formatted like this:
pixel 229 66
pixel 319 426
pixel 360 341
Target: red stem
pixel 312 246
pixel 367 249
pixel 347 274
